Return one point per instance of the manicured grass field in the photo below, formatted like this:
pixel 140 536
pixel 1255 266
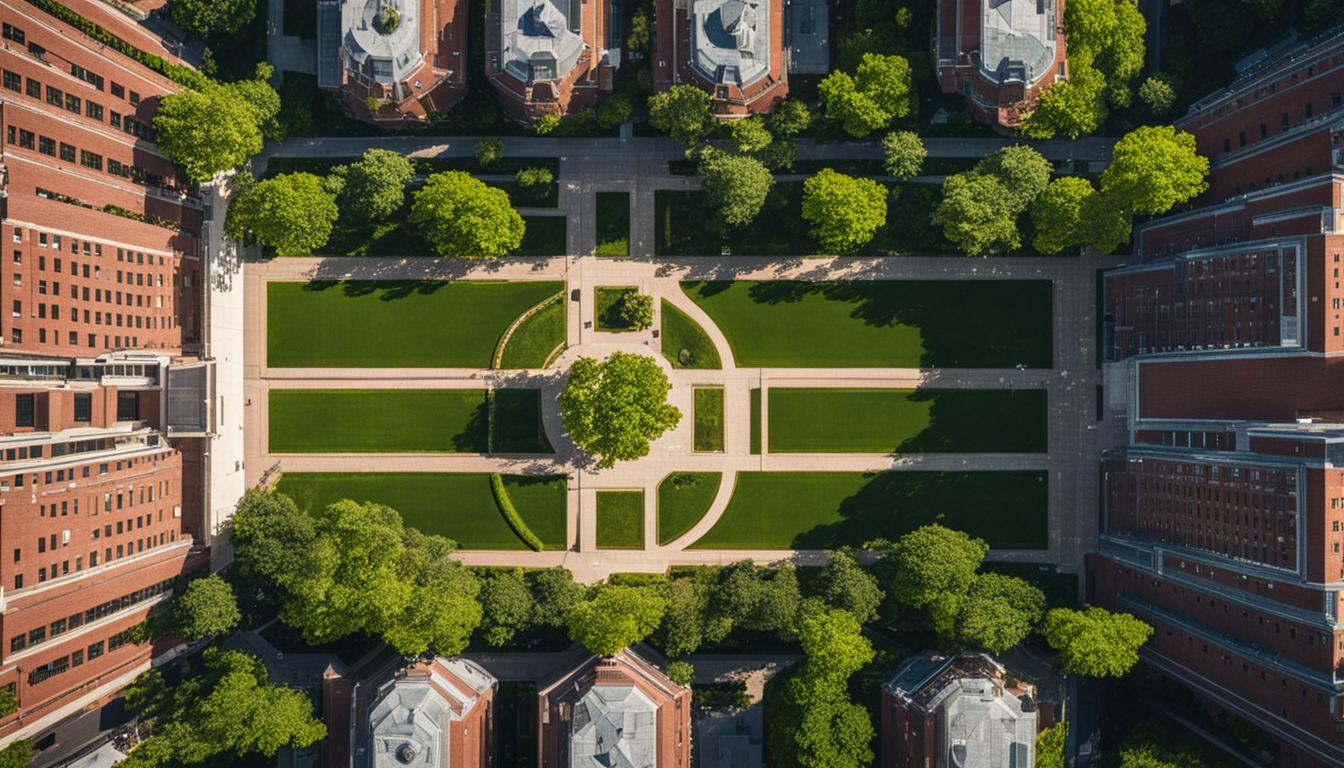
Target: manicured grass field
pixel 756 422
pixel 391 324
pixel 536 338
pixel 398 237
pixel 607 307
pixel 457 505
pixel 684 498
pixel 518 427
pixel 899 324
pixel 825 510
pixel 544 236
pixel 620 519
pixel 378 420
pixel 709 419
pixel 613 223
pixel 685 344
pixel 829 420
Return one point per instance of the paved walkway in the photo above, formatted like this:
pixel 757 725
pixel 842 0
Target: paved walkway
pixel 1070 387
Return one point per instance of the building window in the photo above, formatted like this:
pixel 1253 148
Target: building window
pixel 55 96
pixel 73 103
pixel 13 81
pixel 23 410
pixel 26 139
pixel 67 153
pixel 33 88
pixel 90 159
pixel 83 405
pixel 93 110
pixel 46 145
pixel 14 33
pixel 128 406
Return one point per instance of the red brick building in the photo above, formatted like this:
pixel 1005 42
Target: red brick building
pixel 620 710
pixel 999 55
pixel 101 399
pixel 550 57
pixel 392 62
pixel 732 48
pixel 1222 521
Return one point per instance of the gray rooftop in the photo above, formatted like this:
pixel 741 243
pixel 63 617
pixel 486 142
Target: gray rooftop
pixel 614 726
pixel 984 727
pixel 1017 39
pixel 539 39
pixel 730 40
pixel 380 54
pixel 409 724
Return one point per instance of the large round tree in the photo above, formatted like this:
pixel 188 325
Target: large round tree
pixel 614 408
pixel 461 216
pixel 293 213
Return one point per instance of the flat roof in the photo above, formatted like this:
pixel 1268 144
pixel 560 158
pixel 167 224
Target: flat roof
pixel 808 37
pixel 1017 39
pixel 730 40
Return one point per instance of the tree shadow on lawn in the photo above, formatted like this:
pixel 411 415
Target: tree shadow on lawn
pixel 947 313
pixel 391 290
pixel 474 436
pixel 997 421
pixel 987 505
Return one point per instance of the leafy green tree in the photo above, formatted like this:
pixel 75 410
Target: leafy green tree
pixel 750 134
pixel 271 537
pixel 1157 95
pixel 681 673
pixel 683 627
pixel 834 645
pixel 880 89
pixel 506 605
pixel 903 154
pixel 1095 642
pixel 735 185
pixel 546 123
pixel 1104 225
pixel 615 407
pixel 1154 168
pixel 9 701
pixel 998 612
pixel 1074 108
pixel 292 213
pixel 373 187
pixel 442 611
pixel 931 568
pixel 636 310
pixel 208 18
pixel 681 112
pixel 1057 214
pixel 205 609
pixel 791 118
pixel 534 177
pixel 261 101
pixel 616 617
pixel 1050 745
pixel 845 212
pixel 231 708
pixel 462 217
pixel 614 110
pixel 488 151
pixel 1107 34
pixel 207 131
pixel 1023 171
pixel 19 754
pixel 554 594
pixel 778 155
pixel 849 587
pixel 977 214
pixel 779 600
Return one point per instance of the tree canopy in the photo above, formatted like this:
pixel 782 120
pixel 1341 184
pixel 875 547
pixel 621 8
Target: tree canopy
pixel 506 606
pixel 1095 642
pixel 207 18
pixel 849 587
pixel 19 754
pixel 903 154
pixel 736 185
pixel 750 134
pixel 930 568
pixel 1154 168
pixel 998 612
pixel 977 214
pixel 845 212
pixel 615 617
pixel 205 608
pixel 292 213
pixel 880 90
pixel 460 216
pixel 1023 171
pixel 1074 108
pixel 1107 35
pixel 1056 214
pixel 681 112
pixel 206 131
pixel 373 187
pixel 791 118
pixel 615 407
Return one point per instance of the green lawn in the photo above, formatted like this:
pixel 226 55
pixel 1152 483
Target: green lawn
pixel 685 343
pixel 756 422
pixel 399 238
pixel 457 505
pixel 389 324
pixel 900 324
pixel 828 420
pixel 613 223
pixel 825 510
pixel 620 519
pixel 518 427
pixel 536 338
pixel 684 498
pixel 378 420
pixel 709 419
pixel 608 300
pixel 544 236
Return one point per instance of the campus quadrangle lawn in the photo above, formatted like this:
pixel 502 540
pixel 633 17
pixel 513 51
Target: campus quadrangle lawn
pixel 620 519
pixel 684 498
pixel 825 510
pixel 457 505
pixel 882 323
pixel 393 324
pixel 377 420
pixel 837 420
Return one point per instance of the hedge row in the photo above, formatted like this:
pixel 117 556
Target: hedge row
pixel 510 513
pixel 183 76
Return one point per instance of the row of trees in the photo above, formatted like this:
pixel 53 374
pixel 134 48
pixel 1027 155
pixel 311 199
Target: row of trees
pixel 218 126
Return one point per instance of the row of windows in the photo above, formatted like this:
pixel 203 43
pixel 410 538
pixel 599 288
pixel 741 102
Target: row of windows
pixel 74 621
pixel 92 78
pixel 109 554
pixel 109 341
pixel 75 659
pixel 25 408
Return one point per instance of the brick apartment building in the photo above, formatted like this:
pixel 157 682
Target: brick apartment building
pixel 392 62
pixel 103 396
pixel 999 55
pixel 734 49
pixel 1222 521
pixel 550 57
